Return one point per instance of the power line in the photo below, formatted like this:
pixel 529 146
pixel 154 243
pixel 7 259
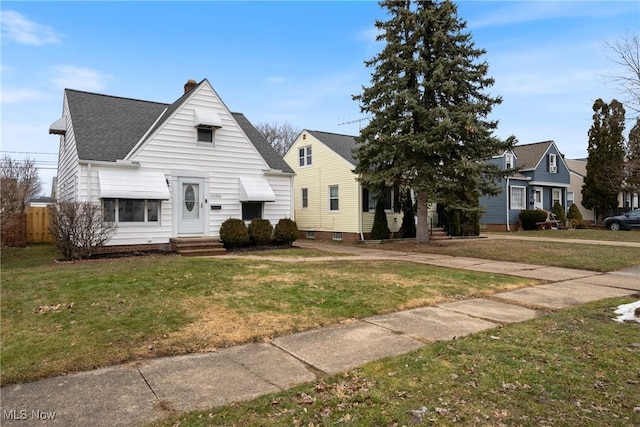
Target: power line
pixel 27 152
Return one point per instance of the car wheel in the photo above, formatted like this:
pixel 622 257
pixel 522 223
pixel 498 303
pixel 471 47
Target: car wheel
pixel 615 226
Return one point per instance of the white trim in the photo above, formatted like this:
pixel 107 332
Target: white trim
pixel 144 137
pixel 524 198
pixel 549 184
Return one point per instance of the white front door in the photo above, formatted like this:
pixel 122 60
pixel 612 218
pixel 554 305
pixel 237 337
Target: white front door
pixel 537 198
pixel 191 206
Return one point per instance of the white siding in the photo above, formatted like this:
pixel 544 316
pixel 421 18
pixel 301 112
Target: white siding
pixel 174 151
pixel 68 167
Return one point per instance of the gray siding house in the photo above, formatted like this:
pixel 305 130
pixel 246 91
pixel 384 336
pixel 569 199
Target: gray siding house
pixel 542 178
pixel 162 171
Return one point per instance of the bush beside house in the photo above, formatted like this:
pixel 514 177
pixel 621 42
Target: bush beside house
pixel 286 232
pixel 234 233
pixel 529 218
pixel 260 232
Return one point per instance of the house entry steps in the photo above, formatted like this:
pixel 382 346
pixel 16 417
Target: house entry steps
pixel 197 246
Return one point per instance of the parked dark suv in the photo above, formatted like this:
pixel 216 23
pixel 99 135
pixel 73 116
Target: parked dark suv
pixel 623 222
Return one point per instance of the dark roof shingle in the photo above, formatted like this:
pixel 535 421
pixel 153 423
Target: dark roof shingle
pixel 341 144
pixel 107 128
pixel 529 155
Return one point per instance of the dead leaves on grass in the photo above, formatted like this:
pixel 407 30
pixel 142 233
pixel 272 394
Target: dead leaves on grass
pixel 53 308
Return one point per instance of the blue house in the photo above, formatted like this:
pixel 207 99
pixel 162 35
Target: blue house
pixel 541 181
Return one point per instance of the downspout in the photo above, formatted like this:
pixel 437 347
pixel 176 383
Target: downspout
pixel 360 210
pixel 89 182
pixel 507 204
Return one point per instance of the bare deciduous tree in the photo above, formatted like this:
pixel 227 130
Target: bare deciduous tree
pixel 78 228
pixel 20 182
pixel 281 136
pixel 625 52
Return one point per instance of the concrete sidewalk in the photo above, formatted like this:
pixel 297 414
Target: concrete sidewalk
pixel 141 392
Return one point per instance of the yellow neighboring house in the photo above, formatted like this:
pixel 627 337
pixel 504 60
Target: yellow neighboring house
pixel 329 202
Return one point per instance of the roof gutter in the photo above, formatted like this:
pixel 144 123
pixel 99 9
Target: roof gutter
pixel 117 164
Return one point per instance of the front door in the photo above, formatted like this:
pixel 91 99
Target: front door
pixel 191 208
pixel 537 198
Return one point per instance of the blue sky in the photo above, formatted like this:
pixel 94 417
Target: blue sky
pixel 297 62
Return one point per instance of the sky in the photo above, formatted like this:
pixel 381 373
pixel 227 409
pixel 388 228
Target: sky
pixel 298 62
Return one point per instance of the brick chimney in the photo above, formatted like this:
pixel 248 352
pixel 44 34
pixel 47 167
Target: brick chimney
pixel 190 84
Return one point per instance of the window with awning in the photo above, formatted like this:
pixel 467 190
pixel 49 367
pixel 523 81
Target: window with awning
pixel 132 184
pixel 255 189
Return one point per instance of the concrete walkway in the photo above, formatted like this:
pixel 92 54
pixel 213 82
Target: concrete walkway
pixel 144 391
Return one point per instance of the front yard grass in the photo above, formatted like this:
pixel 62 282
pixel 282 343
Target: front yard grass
pixel 554 254
pixel 59 318
pixel 579 234
pixel 573 367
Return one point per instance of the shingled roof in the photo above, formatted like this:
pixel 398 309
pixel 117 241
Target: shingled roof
pixel 265 149
pixel 107 128
pixel 529 155
pixel 341 144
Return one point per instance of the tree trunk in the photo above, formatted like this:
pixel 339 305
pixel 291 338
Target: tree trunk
pixel 422 228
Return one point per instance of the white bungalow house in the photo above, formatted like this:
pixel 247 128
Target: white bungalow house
pixel 163 171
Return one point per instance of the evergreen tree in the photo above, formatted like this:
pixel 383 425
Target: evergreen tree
pixel 632 173
pixel 380 229
pixel 408 227
pixel 429 125
pixel 605 164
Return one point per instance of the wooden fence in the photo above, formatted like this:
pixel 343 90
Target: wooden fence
pixel 37 218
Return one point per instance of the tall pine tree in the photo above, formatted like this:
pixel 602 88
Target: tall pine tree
pixel 632 174
pixel 429 108
pixel 605 164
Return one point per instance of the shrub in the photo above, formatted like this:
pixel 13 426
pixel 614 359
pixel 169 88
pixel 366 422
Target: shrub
pixel 234 233
pixel 78 228
pixel 558 211
pixel 529 218
pixel 574 212
pixel 408 227
pixel 260 231
pixel 380 229
pixel 575 217
pixel 286 232
pixel 453 225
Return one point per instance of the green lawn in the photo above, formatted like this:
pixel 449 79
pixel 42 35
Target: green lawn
pixel 585 234
pixel 569 254
pixel 574 367
pixel 63 317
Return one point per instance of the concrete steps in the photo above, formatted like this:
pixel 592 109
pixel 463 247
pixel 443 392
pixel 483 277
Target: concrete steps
pixel 439 234
pixel 197 246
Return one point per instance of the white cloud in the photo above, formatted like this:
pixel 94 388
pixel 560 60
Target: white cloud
pixel 511 13
pixel 18 28
pixel 72 77
pixel 12 96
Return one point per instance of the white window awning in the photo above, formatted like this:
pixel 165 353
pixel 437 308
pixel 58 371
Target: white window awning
pixel 256 189
pixel 206 117
pixel 59 127
pixel 132 184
